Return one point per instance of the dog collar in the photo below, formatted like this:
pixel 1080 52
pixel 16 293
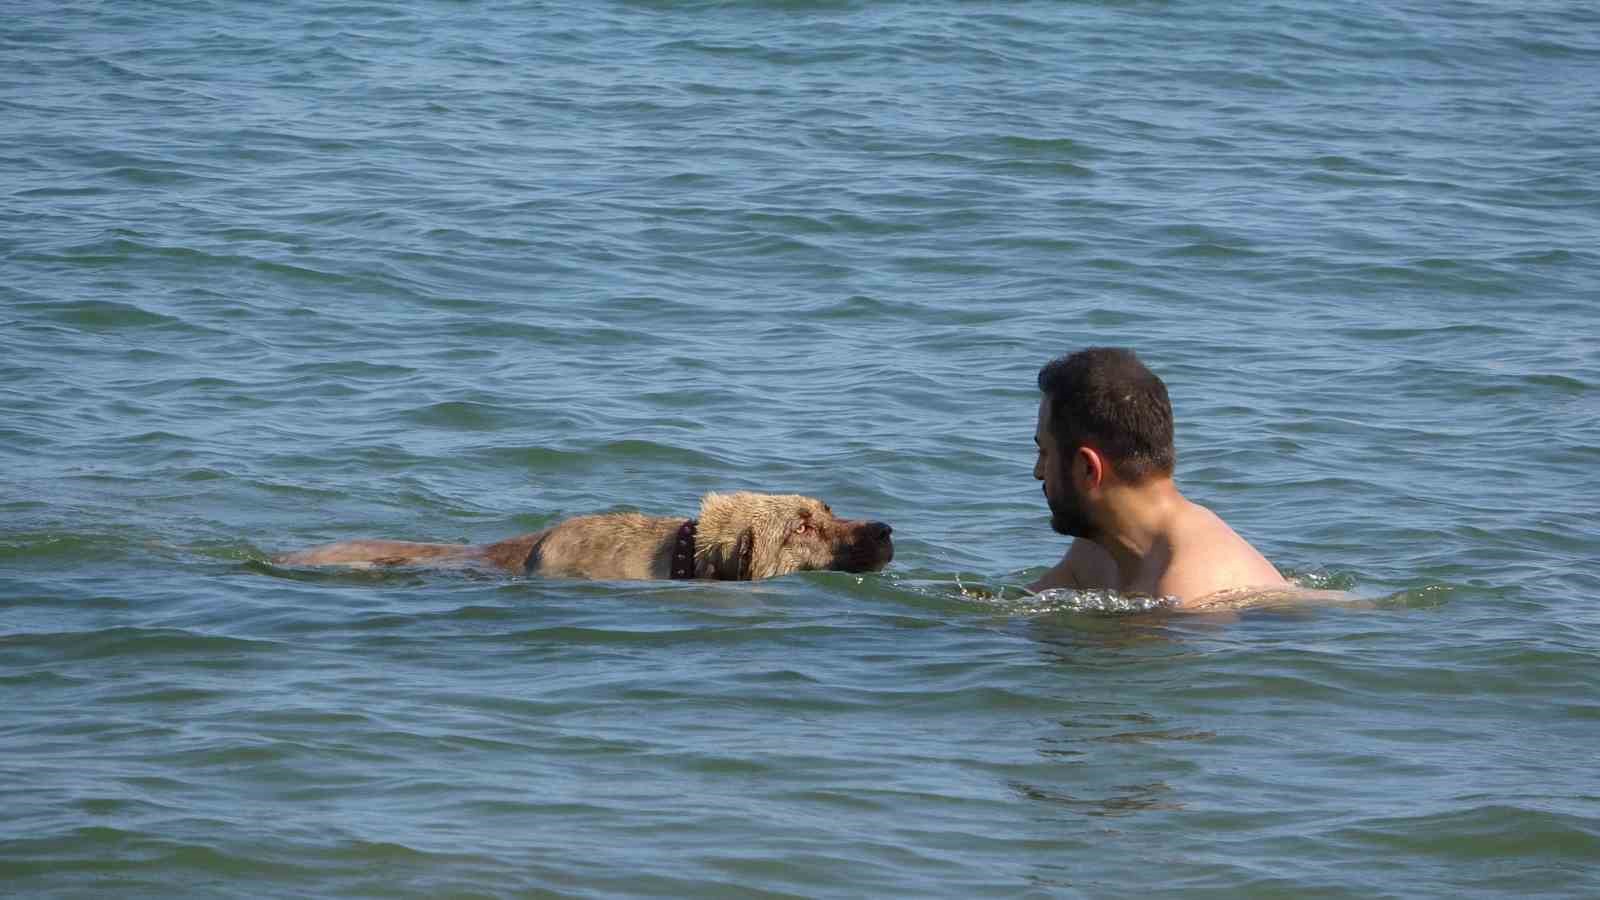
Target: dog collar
pixel 683 550
pixel 683 553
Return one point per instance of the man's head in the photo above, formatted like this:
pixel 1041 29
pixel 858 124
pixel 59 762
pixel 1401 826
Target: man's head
pixel 1103 412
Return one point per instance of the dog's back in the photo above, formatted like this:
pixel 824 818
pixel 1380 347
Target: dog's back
pixel 368 553
pixel 608 547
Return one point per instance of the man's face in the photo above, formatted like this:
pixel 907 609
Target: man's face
pixel 1067 513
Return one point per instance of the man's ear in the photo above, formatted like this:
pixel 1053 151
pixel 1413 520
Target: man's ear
pixel 1091 464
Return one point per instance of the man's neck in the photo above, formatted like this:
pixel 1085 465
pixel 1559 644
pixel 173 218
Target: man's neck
pixel 1137 524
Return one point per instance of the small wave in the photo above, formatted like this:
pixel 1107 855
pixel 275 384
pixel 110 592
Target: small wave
pixel 102 315
pixel 1316 588
pixel 63 547
pixel 1207 250
pixel 864 307
pixel 461 415
pixel 1063 600
pixel 1014 600
pixel 1052 148
pixel 206 650
pixel 1427 597
pixel 1321 580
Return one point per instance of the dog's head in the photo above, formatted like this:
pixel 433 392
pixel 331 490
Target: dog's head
pixel 747 536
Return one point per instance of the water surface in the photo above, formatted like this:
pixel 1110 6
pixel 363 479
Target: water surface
pixel 282 274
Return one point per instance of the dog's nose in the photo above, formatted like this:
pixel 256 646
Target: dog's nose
pixel 879 531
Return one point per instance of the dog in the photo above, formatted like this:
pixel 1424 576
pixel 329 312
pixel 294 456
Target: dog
pixel 740 536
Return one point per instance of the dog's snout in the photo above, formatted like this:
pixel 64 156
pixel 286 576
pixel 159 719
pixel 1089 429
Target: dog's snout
pixel 868 548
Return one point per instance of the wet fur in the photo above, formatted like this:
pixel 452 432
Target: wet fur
pixel 783 533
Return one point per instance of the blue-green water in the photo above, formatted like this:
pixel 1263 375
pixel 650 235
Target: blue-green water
pixel 282 273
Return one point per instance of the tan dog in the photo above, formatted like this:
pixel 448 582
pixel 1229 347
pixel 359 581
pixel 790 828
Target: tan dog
pixel 738 537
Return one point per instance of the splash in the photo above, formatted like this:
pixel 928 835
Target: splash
pixel 1016 600
pixel 1098 602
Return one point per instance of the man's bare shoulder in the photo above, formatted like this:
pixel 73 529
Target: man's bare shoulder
pixel 1086 566
pixel 1209 557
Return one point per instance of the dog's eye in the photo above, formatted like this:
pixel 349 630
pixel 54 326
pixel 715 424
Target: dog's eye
pixel 802 528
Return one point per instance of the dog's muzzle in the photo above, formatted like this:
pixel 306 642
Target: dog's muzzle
pixel 872 548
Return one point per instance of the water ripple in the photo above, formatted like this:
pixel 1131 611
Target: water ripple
pixel 278 274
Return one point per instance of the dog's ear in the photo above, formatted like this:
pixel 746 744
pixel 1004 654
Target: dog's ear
pixel 745 533
pixel 732 561
pixel 766 547
pixel 744 555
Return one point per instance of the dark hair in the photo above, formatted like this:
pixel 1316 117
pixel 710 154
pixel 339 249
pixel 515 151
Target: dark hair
pixel 1105 397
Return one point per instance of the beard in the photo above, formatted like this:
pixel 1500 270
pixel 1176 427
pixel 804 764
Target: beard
pixel 1067 515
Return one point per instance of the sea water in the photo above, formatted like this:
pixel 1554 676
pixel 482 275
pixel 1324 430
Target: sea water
pixel 277 274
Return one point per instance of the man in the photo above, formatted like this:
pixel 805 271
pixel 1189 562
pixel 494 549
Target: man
pixel 1106 458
